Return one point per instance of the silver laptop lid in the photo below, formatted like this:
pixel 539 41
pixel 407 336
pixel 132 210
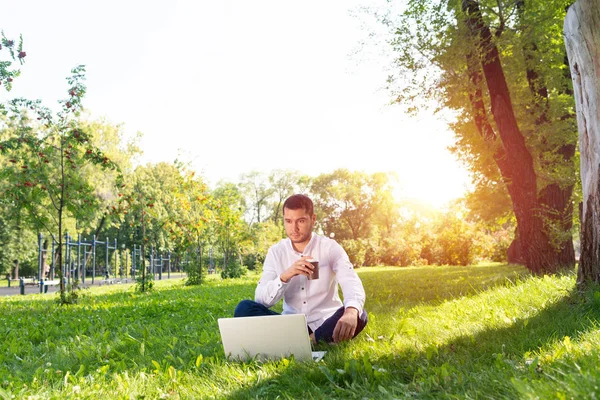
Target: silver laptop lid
pixel 266 337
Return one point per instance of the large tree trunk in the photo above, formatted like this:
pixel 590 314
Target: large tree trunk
pixel 557 207
pixel 515 162
pixel 581 28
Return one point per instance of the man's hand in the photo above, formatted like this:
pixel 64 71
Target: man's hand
pixel 300 267
pixel 346 326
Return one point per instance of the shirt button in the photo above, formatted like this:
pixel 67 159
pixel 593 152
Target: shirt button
pixel 302 288
pixel 304 302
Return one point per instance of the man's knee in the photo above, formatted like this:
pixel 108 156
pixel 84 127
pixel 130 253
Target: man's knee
pixel 363 319
pixel 244 308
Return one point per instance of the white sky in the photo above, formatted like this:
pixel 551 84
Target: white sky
pixel 235 86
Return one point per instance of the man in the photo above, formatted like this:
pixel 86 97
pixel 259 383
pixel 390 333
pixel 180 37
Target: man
pixel 285 275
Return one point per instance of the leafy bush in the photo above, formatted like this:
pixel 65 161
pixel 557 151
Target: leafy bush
pixel 194 274
pixel 144 284
pixel 455 238
pixel 233 270
pixel 401 252
pixel 71 294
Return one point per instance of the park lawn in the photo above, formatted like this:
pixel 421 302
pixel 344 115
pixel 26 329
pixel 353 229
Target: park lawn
pixel 486 331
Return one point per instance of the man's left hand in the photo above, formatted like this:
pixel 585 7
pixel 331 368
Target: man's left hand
pixel 346 326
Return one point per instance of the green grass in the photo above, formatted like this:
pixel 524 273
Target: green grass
pixel 487 331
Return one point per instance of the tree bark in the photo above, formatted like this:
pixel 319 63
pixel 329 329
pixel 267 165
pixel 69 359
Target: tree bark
pixel 516 165
pixel 582 41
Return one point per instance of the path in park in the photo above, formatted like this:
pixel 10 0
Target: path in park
pixel 35 288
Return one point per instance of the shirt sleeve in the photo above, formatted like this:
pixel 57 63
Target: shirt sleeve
pixel 352 287
pixel 270 288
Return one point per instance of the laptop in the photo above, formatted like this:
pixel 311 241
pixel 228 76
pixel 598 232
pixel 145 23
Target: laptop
pixel 270 337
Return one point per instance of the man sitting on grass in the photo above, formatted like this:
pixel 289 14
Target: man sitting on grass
pixel 286 274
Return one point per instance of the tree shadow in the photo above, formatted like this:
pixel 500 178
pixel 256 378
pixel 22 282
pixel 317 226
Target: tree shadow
pixel 451 370
pixel 128 331
pixel 487 364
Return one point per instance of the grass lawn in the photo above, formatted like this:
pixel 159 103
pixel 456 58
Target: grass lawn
pixel 487 331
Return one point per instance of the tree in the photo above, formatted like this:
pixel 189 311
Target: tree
pixel 256 191
pixel 191 228
pixel 146 207
pixel 229 226
pixel 16 243
pixel 346 202
pixel 283 185
pixel 109 138
pixel 581 28
pixel 45 157
pixel 491 63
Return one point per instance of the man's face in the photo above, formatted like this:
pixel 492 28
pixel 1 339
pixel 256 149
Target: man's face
pixel 298 225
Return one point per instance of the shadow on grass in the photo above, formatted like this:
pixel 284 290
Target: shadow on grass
pixel 174 325
pixel 483 365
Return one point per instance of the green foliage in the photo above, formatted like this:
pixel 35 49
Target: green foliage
pixel 71 295
pixel 16 243
pixel 15 52
pixel 229 227
pixel 283 185
pixel 144 283
pixel 194 274
pixel 256 242
pixel 347 203
pixel 493 244
pixel 233 270
pixel 456 239
pixel 437 63
pixel 41 163
pixel 356 250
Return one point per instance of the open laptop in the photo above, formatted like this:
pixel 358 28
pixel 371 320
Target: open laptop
pixel 267 338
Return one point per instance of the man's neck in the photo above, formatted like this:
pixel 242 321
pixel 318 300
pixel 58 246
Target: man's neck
pixel 300 247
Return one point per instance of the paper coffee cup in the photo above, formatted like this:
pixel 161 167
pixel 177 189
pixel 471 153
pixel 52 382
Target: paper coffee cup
pixel 315 273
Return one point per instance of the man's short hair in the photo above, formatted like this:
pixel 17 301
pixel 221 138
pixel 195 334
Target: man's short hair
pixel 297 202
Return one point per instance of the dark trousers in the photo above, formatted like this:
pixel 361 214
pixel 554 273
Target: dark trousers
pixel 249 308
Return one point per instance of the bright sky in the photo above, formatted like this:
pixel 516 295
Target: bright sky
pixel 236 86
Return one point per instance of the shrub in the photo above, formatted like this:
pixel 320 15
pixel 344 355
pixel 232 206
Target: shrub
pixel 194 274
pixel 455 238
pixel 144 284
pixel 233 270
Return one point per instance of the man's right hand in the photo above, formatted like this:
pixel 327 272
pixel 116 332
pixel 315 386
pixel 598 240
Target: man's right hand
pixel 300 267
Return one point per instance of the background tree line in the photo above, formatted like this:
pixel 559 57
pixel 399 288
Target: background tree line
pixel 167 207
pixel 500 66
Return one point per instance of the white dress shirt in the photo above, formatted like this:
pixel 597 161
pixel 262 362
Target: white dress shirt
pixel 317 299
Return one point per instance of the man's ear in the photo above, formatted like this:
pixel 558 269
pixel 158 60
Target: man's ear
pixel 314 218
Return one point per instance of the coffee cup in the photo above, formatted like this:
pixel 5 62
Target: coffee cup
pixel 315 273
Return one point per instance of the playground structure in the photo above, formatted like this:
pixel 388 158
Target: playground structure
pixel 80 260
pixel 87 260
pixel 77 257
